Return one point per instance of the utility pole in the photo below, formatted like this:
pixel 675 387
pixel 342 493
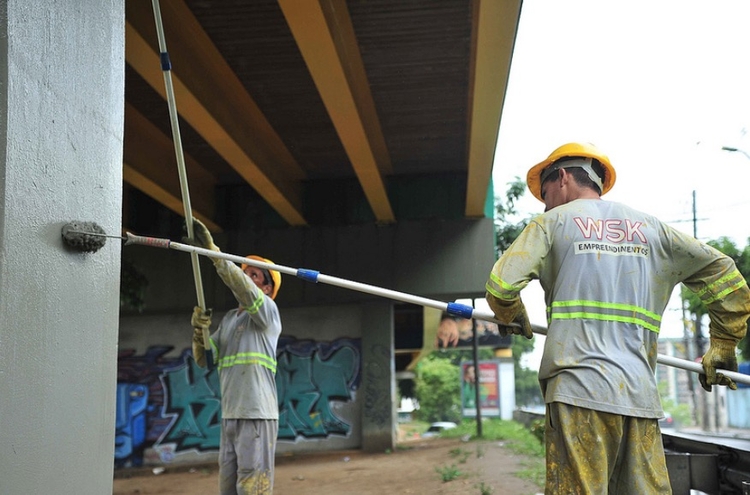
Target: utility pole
pixel 707 418
pixel 477 372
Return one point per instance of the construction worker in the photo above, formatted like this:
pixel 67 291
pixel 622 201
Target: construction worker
pixel 608 272
pixel 244 348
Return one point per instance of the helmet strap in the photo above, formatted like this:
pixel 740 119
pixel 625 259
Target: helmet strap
pixel 583 163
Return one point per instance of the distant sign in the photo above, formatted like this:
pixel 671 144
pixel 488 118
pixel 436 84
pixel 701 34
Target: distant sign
pixel 489 388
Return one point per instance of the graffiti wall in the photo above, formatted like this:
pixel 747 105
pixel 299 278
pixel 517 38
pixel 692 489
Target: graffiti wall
pixel 171 406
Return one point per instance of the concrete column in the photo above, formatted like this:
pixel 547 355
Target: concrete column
pixel 379 416
pixel 61 131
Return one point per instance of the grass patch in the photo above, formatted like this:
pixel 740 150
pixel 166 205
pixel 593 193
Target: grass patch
pixel 516 437
pixel 412 427
pixel 534 470
pixel 460 454
pixel 449 473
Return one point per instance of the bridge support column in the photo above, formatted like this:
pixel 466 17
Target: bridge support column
pixel 379 419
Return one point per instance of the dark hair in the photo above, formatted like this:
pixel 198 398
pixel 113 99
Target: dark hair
pixel 580 175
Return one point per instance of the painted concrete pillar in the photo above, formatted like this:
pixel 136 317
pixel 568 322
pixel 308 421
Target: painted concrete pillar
pixel 61 131
pixel 379 413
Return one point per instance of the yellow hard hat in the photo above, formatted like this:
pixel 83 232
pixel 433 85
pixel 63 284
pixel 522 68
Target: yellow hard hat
pixel 571 150
pixel 275 276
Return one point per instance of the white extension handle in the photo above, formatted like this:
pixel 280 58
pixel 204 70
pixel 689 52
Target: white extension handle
pixel 456 309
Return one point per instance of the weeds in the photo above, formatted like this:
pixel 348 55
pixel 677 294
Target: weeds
pixel 461 454
pixel 484 489
pixel 448 473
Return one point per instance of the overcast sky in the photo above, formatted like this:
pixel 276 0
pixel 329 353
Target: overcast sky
pixel 660 87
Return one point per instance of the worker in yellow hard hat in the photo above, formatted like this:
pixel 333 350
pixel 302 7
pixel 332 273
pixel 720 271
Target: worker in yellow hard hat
pixel 608 272
pixel 244 347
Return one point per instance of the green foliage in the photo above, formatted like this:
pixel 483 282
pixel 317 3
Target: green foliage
pixel 681 413
pixel 516 437
pixel 484 489
pixel 505 230
pixel 460 454
pixel 133 286
pixel 527 381
pixel 742 259
pixel 438 389
pixel 448 473
pixel 537 429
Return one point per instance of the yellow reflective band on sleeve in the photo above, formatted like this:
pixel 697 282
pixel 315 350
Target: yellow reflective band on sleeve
pixel 720 288
pixel 248 358
pixel 501 289
pixel 598 310
pixel 255 306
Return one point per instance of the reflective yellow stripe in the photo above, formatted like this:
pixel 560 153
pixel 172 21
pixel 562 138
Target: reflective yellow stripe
pixel 256 305
pixel 601 317
pixel 603 311
pixel 707 293
pixel 248 358
pixel 501 289
pixel 604 305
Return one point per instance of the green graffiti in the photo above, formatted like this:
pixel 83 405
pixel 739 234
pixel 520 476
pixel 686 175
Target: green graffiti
pixel 308 380
pixel 192 395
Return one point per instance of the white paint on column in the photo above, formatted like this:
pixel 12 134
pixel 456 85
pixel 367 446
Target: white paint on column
pixel 61 131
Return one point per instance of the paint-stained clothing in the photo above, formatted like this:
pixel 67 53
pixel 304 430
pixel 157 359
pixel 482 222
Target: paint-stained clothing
pixel 593 453
pixel 246 457
pixel 245 350
pixel 608 272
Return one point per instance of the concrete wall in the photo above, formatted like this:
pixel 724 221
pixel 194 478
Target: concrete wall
pixel 439 259
pixel 169 408
pixel 61 130
pixel 335 377
pixel 347 334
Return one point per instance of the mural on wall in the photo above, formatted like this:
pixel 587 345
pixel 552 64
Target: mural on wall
pixel 309 377
pixel 172 405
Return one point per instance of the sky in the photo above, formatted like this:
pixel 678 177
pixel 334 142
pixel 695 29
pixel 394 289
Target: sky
pixel 660 87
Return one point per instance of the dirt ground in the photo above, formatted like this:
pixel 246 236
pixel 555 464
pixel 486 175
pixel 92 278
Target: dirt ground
pixel 486 467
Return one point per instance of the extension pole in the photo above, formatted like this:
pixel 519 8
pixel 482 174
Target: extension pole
pixel 453 308
pixel 166 66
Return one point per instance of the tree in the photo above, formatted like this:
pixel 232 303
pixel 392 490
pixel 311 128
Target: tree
pixel 506 231
pixel 438 389
pixel 696 307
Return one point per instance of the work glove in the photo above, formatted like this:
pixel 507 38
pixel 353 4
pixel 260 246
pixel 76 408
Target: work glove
pixel 514 311
pixel 201 320
pixel 201 237
pixel 721 354
pixel 519 326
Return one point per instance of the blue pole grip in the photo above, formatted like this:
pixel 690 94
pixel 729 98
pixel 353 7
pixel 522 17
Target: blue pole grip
pixel 166 64
pixel 308 275
pixel 461 310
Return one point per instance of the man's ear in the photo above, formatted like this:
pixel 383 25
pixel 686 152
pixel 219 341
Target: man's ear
pixel 564 176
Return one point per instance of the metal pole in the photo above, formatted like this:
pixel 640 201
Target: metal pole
pixel 166 66
pixel 452 308
pixel 477 373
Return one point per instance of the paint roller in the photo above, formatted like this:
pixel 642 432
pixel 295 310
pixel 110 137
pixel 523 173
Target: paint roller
pixel 72 238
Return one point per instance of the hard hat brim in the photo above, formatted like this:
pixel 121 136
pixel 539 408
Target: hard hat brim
pixel 275 275
pixel 534 175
